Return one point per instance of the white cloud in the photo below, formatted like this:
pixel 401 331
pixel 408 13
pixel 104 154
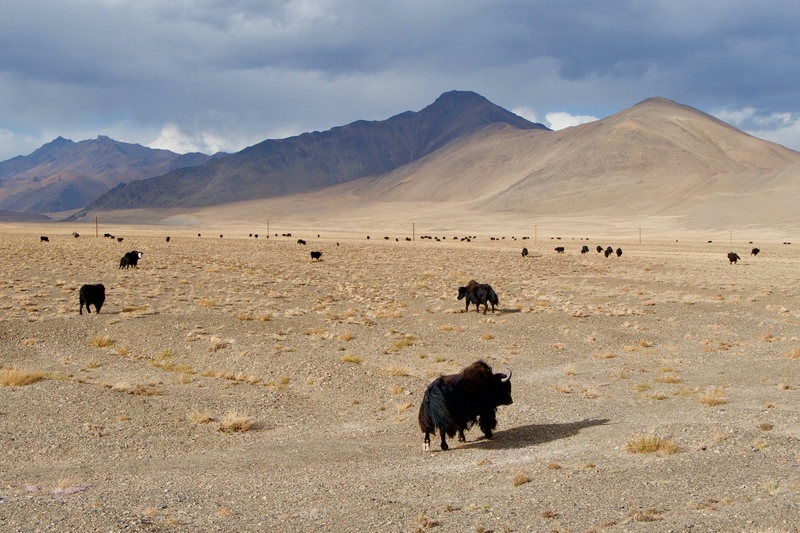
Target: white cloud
pixel 526 113
pixel 780 127
pixel 561 120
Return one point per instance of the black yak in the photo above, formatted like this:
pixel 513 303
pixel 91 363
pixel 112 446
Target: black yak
pixel 559 249
pixel 119 239
pixel 478 293
pixel 524 252
pixel 43 239
pixel 733 257
pixel 92 294
pixel 619 252
pixel 454 403
pixel 316 255
pixel 609 251
pixel 599 249
pixel 754 251
pixel 585 249
pixel 300 241
pixel 167 238
pixel 130 259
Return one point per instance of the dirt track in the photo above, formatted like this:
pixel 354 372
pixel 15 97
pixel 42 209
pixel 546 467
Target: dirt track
pixel 602 350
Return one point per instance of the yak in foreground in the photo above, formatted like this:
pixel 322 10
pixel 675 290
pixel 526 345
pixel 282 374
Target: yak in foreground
pixel 92 294
pixel 478 293
pixel 454 403
pixel 733 257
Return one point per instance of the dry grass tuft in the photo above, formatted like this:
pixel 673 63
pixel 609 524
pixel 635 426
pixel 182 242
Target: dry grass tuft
pixel 570 370
pixel 487 337
pixel 217 343
pixel 713 397
pixel 224 511
pixel 123 350
pixel 346 337
pixel 403 343
pixel 350 358
pixel 520 479
pixel 235 422
pixel 101 342
pixel 244 317
pixel 394 370
pixel 793 354
pixel 403 407
pixel 766 426
pixel 650 443
pixel 19 377
pixel 206 302
pixel 395 389
pixel 201 417
pixel 549 514
pixel 553 466
pixel 668 378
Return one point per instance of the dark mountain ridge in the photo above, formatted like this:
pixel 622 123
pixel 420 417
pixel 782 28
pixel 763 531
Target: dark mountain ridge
pixel 312 161
pixel 63 174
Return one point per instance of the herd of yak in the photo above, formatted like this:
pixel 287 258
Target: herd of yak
pixel 451 404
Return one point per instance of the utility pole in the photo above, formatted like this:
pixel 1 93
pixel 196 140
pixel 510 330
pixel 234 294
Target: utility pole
pixel 96 232
pixel 534 234
pixel 413 235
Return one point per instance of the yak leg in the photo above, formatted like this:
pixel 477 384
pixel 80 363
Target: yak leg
pixel 461 437
pixel 487 423
pixel 80 309
pixel 444 441
pixel 426 444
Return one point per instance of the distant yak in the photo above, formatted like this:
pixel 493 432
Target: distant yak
pixel 559 249
pixel 43 239
pixel 733 257
pixel 754 251
pixel 524 252
pixel 584 249
pixel 130 259
pixel 316 256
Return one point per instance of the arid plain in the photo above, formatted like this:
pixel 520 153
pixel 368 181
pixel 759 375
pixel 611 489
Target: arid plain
pixel 668 350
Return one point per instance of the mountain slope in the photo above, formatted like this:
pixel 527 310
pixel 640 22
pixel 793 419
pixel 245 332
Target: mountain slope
pixel 312 161
pixel 655 158
pixel 63 174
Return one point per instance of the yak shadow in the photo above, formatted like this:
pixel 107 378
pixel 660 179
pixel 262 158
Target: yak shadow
pixel 532 434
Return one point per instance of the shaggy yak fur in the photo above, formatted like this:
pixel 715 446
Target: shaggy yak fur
pixel 478 293
pixel 92 294
pixel 454 403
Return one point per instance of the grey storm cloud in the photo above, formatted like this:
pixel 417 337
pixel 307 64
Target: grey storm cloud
pixel 223 74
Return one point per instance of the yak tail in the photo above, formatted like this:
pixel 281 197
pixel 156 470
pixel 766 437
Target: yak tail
pixel 433 413
pixel 493 297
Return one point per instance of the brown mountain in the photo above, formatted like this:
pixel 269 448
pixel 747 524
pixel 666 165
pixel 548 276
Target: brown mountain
pixel 655 159
pixel 64 175
pixel 313 161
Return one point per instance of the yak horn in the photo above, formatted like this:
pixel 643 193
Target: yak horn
pixel 507 377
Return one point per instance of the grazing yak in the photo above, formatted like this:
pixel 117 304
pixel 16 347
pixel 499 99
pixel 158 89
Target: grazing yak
pixel 92 294
pixel 524 252
pixel 454 403
pixel 559 249
pixel 130 259
pixel 300 241
pixel 608 251
pixel 316 255
pixel 584 249
pixel 754 251
pixel 599 249
pixel 119 239
pixel 43 239
pixel 733 257
pixel 478 293
pixel 167 238
pixel 619 252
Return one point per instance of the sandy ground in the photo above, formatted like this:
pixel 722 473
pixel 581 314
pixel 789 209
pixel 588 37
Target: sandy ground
pixel 329 360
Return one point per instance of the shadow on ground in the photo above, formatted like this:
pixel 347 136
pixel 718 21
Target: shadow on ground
pixel 533 434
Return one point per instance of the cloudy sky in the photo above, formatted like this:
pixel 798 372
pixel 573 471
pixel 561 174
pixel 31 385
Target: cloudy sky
pixel 211 75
